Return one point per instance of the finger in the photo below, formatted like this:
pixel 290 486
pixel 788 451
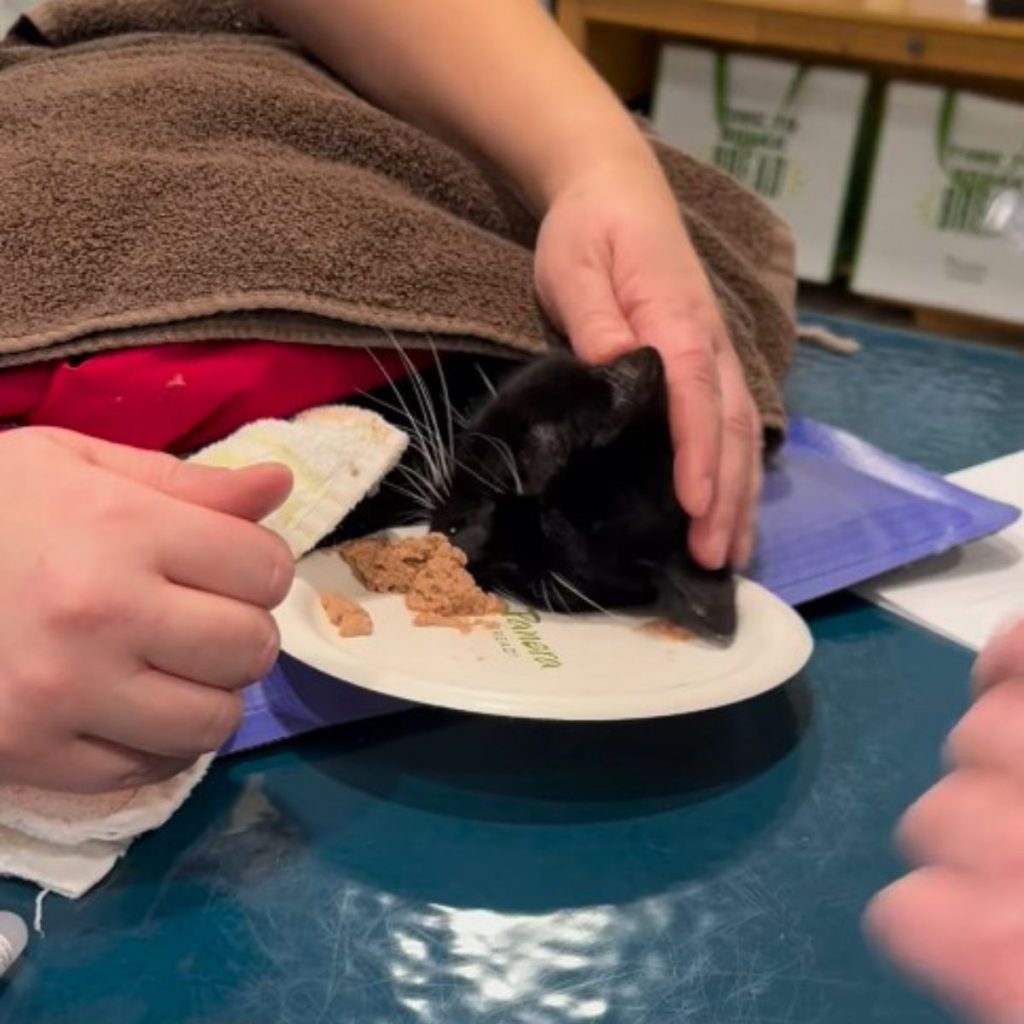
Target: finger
pixel 1002 658
pixel 251 493
pixel 712 537
pixel 209 639
pixel 991 735
pixel 590 316
pixel 155 713
pixel 695 416
pixel 971 820
pixel 92 766
pixel 689 334
pixel 962 936
pixel 746 531
pixel 216 553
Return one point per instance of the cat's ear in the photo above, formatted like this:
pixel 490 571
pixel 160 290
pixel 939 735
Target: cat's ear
pixel 583 416
pixel 699 599
pixel 587 416
pixel 637 382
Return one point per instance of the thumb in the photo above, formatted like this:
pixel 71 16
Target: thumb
pixel 251 493
pixel 586 309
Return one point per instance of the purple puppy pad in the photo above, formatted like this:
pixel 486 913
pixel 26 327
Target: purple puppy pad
pixel 296 699
pixel 835 512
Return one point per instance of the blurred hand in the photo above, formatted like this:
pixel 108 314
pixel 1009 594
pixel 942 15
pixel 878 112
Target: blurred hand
pixel 957 922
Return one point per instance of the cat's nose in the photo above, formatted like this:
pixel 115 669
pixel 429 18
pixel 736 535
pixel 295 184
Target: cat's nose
pixel 470 540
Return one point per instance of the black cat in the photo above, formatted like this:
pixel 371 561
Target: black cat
pixel 558 486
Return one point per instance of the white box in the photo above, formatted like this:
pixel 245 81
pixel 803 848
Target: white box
pixel 786 130
pixel 943 157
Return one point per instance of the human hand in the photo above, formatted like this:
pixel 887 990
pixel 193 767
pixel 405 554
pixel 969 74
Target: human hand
pixel 616 270
pixel 957 922
pixel 134 607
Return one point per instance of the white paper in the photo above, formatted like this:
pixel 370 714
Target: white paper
pixel 967 594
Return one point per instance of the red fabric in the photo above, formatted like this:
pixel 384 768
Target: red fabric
pixel 179 397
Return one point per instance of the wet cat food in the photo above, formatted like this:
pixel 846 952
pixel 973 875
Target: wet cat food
pixel 350 619
pixel 429 571
pixel 665 630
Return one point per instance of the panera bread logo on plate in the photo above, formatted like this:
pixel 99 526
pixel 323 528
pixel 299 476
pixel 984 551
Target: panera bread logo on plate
pixel 518 633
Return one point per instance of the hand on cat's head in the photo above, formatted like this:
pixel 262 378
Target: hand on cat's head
pixel 615 268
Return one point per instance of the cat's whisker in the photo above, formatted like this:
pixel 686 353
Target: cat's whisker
pixel 426 485
pixel 400 412
pixel 413 495
pixel 566 607
pixel 408 479
pixel 492 484
pixel 432 431
pixel 512 467
pixel 447 399
pixel 371 397
pixel 417 429
pixel 563 582
pixel 506 596
pixel 411 519
pixel 506 453
pixel 420 500
pixel 488 383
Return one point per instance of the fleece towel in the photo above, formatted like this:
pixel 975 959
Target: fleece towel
pixel 67 843
pixel 172 170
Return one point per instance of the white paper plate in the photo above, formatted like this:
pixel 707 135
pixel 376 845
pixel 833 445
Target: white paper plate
pixel 539 665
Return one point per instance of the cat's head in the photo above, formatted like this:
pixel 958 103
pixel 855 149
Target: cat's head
pixel 562 495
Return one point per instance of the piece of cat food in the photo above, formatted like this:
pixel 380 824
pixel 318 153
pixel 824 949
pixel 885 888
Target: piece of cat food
pixel 429 571
pixel 350 619
pixel 389 565
pixel 459 622
pixel 666 630
pixel 463 623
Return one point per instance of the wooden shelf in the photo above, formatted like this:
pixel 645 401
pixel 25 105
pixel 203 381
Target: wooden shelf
pixel 946 41
pixel 951 40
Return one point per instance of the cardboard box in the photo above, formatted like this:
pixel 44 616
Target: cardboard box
pixel 946 162
pixel 786 130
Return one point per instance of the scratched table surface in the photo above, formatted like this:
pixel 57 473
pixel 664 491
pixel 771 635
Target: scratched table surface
pixel 430 867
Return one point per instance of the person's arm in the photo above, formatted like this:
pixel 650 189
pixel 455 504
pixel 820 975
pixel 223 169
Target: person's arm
pixel 615 267
pixel 493 76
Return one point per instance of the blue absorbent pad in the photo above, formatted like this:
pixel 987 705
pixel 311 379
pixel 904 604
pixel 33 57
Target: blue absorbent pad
pixel 835 512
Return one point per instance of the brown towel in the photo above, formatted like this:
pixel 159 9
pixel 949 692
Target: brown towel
pixel 173 170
